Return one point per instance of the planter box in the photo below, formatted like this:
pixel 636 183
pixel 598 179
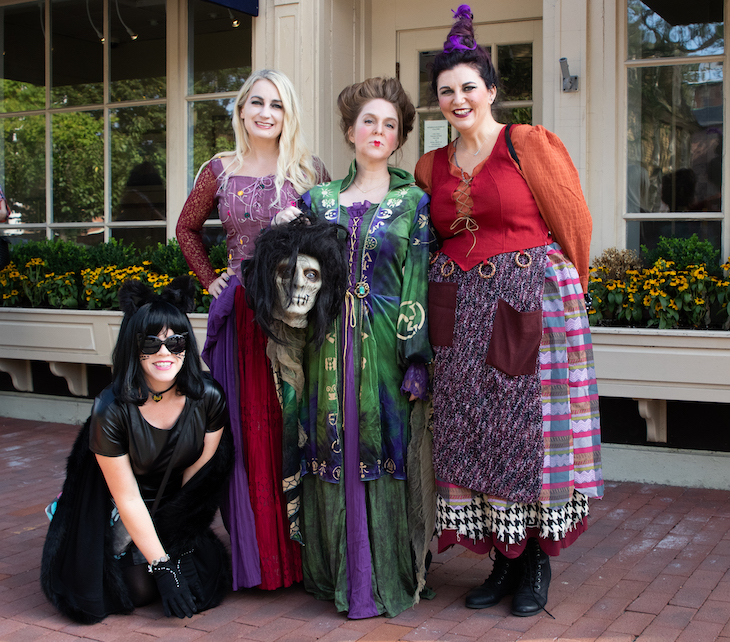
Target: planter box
pixel 67 339
pixel 654 366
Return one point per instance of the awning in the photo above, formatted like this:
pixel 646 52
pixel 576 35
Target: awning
pixel 251 7
pixel 681 12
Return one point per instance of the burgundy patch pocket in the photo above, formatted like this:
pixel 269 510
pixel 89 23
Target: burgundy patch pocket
pixel 441 312
pixel 515 341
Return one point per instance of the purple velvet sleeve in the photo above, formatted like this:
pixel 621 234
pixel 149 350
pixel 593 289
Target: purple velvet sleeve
pixel 415 381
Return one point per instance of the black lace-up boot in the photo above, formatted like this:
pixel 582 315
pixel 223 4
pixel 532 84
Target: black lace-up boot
pixel 532 594
pixel 503 580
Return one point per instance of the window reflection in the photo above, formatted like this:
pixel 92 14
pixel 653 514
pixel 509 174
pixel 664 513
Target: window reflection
pixel 515 71
pixel 138 177
pixel 220 53
pixel 142 237
pixel 82 236
pixel 77 140
pixel 647 233
pixel 77 52
pixel 24 161
pixel 212 131
pixel 137 50
pixel 24 63
pixel 675 126
pixel 661 29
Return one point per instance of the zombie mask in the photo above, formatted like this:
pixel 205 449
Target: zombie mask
pixel 298 295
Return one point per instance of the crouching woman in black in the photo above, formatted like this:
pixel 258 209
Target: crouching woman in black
pixel 144 476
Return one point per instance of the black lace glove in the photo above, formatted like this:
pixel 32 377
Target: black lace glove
pixel 190 573
pixel 173 587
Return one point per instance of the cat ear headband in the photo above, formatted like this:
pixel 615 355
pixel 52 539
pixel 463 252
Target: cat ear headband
pixel 180 293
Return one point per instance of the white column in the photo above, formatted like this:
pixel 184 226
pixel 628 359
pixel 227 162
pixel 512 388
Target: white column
pixel 320 45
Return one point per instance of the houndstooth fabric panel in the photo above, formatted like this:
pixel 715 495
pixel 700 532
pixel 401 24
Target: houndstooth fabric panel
pixel 479 519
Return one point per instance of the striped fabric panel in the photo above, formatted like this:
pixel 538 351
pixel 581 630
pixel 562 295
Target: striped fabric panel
pixel 571 424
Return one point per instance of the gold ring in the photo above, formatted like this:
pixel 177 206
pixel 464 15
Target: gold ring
pixel 523 265
pixel 491 274
pixel 435 257
pixel 449 264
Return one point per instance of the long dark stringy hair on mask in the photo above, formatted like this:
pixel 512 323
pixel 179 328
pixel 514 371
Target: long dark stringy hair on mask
pixel 461 48
pixel 147 314
pixel 306 235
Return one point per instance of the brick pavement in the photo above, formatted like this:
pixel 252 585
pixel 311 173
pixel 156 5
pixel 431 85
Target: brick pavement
pixel 653 567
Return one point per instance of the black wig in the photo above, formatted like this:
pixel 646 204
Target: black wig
pixel 147 314
pixel 306 235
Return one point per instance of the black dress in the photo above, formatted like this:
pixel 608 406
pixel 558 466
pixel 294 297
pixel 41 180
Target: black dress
pixel 80 571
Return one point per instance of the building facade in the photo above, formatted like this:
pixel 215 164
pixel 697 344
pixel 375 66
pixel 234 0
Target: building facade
pixel 108 107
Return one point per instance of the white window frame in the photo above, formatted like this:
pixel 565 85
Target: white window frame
pixel 624 65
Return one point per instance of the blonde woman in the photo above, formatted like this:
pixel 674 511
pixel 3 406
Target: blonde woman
pixel 257 185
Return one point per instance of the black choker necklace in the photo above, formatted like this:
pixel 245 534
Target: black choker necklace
pixel 157 396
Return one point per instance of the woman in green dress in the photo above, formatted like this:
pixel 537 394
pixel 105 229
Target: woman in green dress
pixel 361 384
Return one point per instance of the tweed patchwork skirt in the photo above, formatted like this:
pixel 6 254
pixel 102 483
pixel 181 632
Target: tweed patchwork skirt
pixel 564 391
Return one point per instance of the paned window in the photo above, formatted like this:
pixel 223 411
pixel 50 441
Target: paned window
pixel 675 84
pixel 83 151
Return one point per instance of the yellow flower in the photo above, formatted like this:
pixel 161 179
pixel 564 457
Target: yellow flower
pixel 699 301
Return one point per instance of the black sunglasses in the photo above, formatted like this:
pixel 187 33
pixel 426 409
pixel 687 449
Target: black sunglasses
pixel 175 343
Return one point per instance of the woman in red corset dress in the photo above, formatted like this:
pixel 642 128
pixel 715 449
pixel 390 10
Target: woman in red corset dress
pixel 516 430
pixel 257 185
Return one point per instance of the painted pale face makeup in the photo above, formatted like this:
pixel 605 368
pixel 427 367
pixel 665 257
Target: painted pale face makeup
pixel 463 96
pixel 263 111
pixel 375 132
pixel 305 286
pixel 161 369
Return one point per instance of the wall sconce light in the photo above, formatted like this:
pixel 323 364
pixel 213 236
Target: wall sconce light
pixel 235 23
pixel 570 83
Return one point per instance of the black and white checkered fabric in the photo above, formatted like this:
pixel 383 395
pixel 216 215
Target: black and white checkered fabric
pixel 479 519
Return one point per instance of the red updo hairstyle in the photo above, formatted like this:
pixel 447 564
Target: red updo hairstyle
pixel 353 98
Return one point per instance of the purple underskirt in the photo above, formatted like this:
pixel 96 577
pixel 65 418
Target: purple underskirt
pixel 359 568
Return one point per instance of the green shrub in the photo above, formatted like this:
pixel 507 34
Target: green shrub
pixel 168 259
pixel 684 252
pixel 219 256
pixel 59 257
pixel 113 252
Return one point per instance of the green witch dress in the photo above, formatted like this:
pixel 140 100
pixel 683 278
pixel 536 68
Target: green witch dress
pixel 355 409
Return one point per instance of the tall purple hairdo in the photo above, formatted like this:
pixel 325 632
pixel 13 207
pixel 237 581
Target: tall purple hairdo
pixel 461 48
pixel 461 37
